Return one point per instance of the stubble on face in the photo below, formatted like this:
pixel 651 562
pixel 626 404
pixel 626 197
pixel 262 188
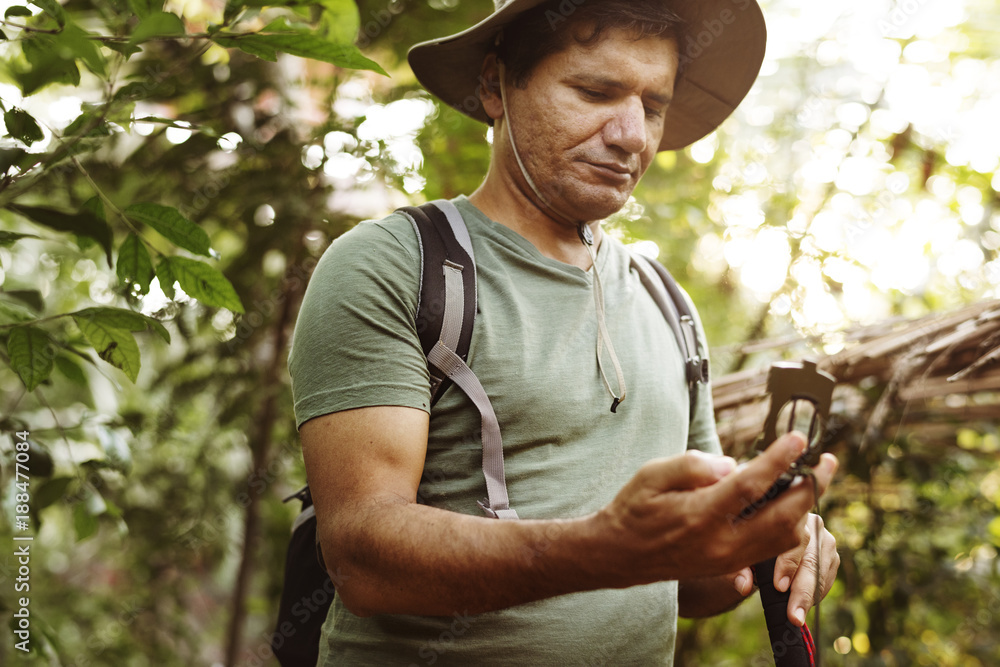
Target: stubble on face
pixel 588 121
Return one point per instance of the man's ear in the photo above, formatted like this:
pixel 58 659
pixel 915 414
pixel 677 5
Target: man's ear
pixel 489 87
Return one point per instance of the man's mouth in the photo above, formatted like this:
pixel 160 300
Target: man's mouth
pixel 617 171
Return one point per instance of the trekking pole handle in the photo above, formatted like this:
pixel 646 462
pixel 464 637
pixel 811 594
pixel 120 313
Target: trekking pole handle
pixel 790 383
pixel 791 646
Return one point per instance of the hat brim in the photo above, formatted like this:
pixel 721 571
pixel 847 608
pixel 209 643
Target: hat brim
pixel 722 50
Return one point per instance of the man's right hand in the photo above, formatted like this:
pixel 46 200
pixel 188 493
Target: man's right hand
pixel 678 518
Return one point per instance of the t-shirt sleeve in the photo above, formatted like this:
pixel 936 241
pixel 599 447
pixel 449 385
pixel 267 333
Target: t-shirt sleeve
pixel 355 343
pixel 703 434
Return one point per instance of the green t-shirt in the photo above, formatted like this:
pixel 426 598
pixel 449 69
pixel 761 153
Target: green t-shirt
pixel 565 453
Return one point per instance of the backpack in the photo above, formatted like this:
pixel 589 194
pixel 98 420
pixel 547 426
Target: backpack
pixel 446 310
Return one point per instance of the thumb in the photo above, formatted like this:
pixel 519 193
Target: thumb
pixel 692 470
pixel 743 582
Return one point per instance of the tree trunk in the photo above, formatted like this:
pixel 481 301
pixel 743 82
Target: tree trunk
pixel 260 447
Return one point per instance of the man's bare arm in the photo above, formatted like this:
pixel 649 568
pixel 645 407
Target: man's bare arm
pixel 708 596
pixel 673 520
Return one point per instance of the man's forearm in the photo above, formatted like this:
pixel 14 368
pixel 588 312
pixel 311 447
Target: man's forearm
pixel 708 596
pixel 405 558
pixel 669 522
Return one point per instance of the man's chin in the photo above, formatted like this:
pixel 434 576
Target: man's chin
pixel 589 207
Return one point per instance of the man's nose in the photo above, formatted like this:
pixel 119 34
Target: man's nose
pixel 627 128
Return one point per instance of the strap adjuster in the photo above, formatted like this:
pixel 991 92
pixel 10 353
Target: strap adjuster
pixel 697 370
pixel 302 494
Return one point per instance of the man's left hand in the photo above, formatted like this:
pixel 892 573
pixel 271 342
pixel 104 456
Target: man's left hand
pixel 797 568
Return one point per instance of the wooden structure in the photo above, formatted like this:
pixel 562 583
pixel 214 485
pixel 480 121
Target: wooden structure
pixel 928 375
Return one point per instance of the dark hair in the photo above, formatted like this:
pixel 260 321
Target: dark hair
pixel 548 28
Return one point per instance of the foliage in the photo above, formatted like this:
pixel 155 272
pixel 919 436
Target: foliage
pixel 177 168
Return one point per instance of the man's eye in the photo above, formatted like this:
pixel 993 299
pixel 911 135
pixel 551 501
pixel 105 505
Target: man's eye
pixel 654 113
pixel 592 94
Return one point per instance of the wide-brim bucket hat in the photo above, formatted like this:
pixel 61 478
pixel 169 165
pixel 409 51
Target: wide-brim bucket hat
pixel 721 49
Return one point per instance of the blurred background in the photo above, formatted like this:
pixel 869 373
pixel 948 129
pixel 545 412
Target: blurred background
pixel 172 172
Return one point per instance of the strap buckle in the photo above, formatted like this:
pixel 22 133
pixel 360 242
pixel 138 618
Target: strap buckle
pixel 507 513
pixel 302 494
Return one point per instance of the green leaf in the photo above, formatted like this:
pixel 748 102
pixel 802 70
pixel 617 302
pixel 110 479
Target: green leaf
pixel 137 90
pixel 340 21
pixel 77 43
pixel 12 313
pixel 8 239
pixel 22 126
pixel 31 297
pixel 165 276
pixel 10 157
pixel 304 45
pixel 141 8
pixel 71 370
pixel 52 8
pixel 204 283
pixel 232 10
pixel 115 346
pixel 119 318
pixel 96 206
pixel 124 48
pixel 52 57
pixel 173 226
pixel 88 124
pixel 50 492
pixel 254 48
pixel 157 24
pixel 41 460
pixel 84 223
pixel 134 264
pixel 31 355
pixel 84 523
pixel 121 113
pixel 48 64
pixel 17 10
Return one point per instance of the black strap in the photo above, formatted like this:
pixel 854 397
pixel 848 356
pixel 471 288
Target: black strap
pixel 437 246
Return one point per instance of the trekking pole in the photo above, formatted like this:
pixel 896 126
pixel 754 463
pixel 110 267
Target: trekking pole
pixel 796 388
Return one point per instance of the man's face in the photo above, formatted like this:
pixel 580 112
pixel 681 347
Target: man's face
pixel 590 118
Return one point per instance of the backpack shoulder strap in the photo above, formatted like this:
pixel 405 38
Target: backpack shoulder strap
pixel 672 303
pixel 446 312
pixel 446 257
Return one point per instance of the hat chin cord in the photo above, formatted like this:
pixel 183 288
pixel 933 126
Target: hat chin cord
pixel 603 337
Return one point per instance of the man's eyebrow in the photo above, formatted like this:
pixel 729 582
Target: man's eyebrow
pixel 607 82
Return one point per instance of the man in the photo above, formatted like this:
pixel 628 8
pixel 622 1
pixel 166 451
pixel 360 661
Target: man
pixel 619 528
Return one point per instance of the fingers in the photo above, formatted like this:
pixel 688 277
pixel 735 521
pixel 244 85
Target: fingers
pixel 693 470
pixel 803 578
pixel 752 480
pixel 825 470
pixel 743 582
pixel 788 563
